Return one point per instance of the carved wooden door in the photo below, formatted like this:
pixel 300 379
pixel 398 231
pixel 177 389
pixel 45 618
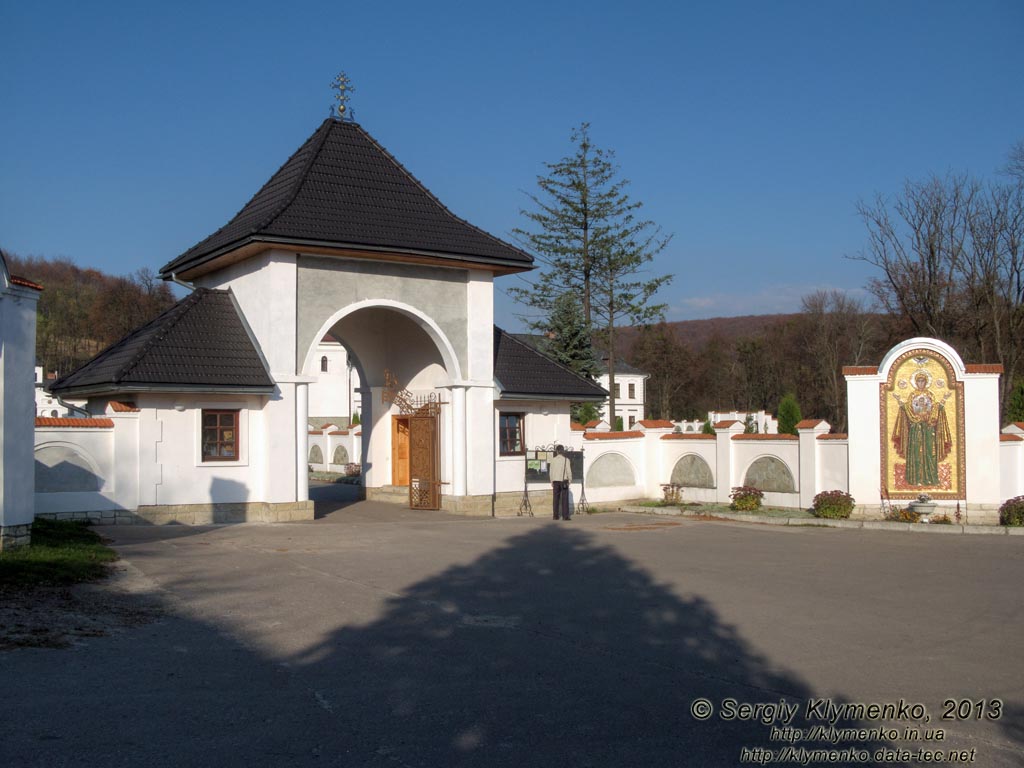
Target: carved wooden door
pixel 424 463
pixel 399 450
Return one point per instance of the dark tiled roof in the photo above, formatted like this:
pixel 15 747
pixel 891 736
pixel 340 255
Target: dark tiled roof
pixel 522 370
pixel 343 189
pixel 198 344
pixel 621 366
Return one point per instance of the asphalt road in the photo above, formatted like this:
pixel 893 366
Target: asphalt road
pixel 380 637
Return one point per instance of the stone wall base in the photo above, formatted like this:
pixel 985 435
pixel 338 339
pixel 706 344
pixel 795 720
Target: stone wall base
pixel 504 504
pixel 970 514
pixel 14 536
pixel 196 514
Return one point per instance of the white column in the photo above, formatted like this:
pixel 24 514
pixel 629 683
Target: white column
pixel 301 442
pixel 458 440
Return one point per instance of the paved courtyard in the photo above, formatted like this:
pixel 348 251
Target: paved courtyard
pixel 383 637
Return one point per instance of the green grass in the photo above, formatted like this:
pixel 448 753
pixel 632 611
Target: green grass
pixel 61 552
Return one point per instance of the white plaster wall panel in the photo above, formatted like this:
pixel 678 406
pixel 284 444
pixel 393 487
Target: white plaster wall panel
pixel 981 435
pixel 1011 464
pixel 17 400
pixel 480 327
pixel 746 452
pixel 632 451
pixel 833 469
pixel 864 439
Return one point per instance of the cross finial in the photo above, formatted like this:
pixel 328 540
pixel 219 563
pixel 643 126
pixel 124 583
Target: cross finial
pixel 344 89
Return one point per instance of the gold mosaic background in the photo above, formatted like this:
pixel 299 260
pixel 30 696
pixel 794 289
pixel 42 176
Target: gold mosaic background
pixel 941 384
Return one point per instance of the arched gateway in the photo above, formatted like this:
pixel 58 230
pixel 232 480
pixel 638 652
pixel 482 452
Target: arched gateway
pixel 342 243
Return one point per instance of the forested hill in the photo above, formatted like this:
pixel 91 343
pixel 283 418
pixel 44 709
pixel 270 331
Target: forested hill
pixel 81 310
pixel 696 333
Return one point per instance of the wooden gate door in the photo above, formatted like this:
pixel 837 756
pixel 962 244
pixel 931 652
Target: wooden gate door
pixel 424 462
pixel 399 450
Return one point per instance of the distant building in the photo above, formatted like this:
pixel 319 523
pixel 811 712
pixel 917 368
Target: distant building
pixel 763 422
pixel 335 396
pixel 630 393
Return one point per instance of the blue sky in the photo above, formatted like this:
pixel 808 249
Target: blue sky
pixel 749 129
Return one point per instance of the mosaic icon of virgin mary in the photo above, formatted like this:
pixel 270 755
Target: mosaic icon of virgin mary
pixel 922 436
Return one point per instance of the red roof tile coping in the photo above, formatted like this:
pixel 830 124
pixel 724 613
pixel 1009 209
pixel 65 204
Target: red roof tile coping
pixel 688 436
pixel 725 424
pixel 1011 439
pixel 122 407
pixel 359 433
pixel 338 432
pixel 46 421
pixel 809 423
pixel 577 427
pixel 1019 424
pixel 834 436
pixel 656 423
pixel 612 435
pixel 592 424
pixel 983 368
pixel 316 431
pixel 765 437
pixel 25 283
pixel 860 370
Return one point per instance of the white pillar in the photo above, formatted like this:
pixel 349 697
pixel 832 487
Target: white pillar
pixel 302 442
pixel 458 440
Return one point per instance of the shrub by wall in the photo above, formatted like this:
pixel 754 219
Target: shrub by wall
pixel 745 498
pixel 835 505
pixel 1012 511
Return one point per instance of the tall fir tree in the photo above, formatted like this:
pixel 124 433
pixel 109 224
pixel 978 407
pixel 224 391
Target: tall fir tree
pixel 584 230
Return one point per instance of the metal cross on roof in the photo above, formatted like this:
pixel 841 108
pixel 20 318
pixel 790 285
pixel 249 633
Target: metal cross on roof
pixel 344 89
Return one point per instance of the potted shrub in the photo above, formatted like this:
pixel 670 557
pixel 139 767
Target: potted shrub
pixel 923 506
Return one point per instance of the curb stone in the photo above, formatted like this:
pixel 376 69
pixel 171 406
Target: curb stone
pixel 818 522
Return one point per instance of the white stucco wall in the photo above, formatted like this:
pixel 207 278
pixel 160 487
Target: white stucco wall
pixel 633 451
pixel 17 399
pixel 1011 465
pixel 545 423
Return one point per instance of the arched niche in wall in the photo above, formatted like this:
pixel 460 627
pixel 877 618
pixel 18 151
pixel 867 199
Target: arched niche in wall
pixel 770 473
pixel 610 470
pixel 316 456
pixel 691 471
pixel 62 468
pixel 340 455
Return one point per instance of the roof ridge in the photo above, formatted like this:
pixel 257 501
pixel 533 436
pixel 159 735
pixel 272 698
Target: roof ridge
pixel 432 196
pixel 546 356
pixel 324 130
pixel 161 333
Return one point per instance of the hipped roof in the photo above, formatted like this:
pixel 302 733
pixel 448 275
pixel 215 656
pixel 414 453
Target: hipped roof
pixel 343 190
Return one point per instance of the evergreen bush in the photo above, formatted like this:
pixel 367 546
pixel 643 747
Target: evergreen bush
pixel 789 415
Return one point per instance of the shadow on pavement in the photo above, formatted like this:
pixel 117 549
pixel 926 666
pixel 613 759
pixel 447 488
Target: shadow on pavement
pixel 549 650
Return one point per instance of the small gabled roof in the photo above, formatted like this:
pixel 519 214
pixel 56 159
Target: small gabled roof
pixel 523 371
pixel 342 189
pixel 198 345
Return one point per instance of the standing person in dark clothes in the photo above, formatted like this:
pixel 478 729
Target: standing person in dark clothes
pixel 561 476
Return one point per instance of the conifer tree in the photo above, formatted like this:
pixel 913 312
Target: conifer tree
pixel 789 415
pixel 1015 406
pixel 585 231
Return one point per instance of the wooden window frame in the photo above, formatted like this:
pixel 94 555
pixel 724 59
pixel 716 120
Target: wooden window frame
pixel 220 427
pixel 503 434
pixel 323 364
